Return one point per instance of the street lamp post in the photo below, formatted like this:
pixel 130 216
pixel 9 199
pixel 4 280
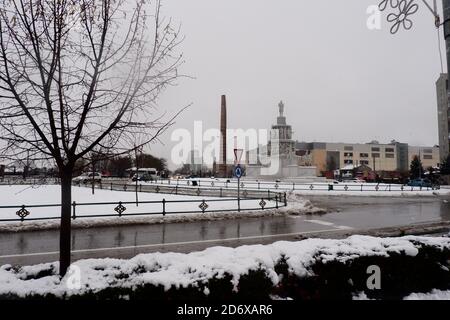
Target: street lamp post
pixel 136 155
pixel 401 10
pixel 446 24
pixel 93 172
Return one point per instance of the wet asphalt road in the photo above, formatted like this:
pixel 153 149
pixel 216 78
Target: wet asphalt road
pixel 346 213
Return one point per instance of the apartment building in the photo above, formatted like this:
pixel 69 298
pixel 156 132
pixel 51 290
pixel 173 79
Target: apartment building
pixel 443 115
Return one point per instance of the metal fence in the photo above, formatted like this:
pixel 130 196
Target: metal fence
pixel 40 180
pixel 201 186
pixel 224 187
pixel 182 190
pixel 271 200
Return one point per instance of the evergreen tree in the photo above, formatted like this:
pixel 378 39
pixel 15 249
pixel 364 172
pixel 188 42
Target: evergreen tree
pixel 445 166
pixel 416 169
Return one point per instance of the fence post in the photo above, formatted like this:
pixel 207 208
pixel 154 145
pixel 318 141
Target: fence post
pixel 176 188
pixel 221 192
pixel 268 195
pixel 259 185
pixel 389 187
pixel 111 186
pixel 276 200
pixel 74 204
pixel 285 200
pixel 164 207
pixel 293 185
pixel 361 188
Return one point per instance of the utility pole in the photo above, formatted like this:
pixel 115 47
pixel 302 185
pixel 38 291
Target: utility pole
pixel 136 156
pixel 446 23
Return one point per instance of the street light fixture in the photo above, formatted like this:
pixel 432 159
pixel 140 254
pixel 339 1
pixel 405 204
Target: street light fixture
pixel 403 9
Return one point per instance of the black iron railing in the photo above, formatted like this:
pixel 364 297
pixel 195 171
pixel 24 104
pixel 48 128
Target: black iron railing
pixel 273 200
pixel 182 190
pixel 223 188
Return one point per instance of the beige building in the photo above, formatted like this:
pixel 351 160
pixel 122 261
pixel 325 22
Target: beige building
pixel 429 156
pixel 393 156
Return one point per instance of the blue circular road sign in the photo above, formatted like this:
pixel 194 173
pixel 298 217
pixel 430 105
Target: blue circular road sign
pixel 238 171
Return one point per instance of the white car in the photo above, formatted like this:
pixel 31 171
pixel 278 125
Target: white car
pixel 88 177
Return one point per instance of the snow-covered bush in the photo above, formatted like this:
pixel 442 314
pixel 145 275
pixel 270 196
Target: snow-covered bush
pixel 308 269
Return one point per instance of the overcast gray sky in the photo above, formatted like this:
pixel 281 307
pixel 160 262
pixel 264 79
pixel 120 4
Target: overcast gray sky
pixel 340 81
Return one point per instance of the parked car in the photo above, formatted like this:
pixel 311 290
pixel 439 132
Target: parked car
pixel 424 183
pixel 142 177
pixel 89 177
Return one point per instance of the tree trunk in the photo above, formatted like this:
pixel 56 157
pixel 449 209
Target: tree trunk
pixel 65 231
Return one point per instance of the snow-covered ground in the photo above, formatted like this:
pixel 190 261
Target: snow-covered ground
pixel 313 188
pixel 433 295
pixel 196 268
pixel 50 194
pixel 18 195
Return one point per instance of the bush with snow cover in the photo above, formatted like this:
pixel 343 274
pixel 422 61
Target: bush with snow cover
pixel 308 269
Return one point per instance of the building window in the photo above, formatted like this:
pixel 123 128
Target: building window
pixel 389 150
pixel 348 148
pixel 348 161
pixel 363 155
pixel 428 156
pixel 389 155
pixel 375 155
pixel 427 151
pixel 375 149
pixel 348 154
pixel 364 162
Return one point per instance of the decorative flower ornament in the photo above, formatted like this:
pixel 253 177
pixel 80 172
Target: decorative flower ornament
pixel 405 8
pixel 383 4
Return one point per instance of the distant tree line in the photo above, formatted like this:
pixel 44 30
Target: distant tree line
pixel 118 166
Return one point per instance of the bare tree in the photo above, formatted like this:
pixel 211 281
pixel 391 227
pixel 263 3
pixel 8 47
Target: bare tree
pixel 79 75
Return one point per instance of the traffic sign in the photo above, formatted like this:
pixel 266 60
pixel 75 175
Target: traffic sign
pixel 238 171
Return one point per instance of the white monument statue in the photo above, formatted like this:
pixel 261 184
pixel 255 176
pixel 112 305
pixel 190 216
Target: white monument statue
pixel 281 151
